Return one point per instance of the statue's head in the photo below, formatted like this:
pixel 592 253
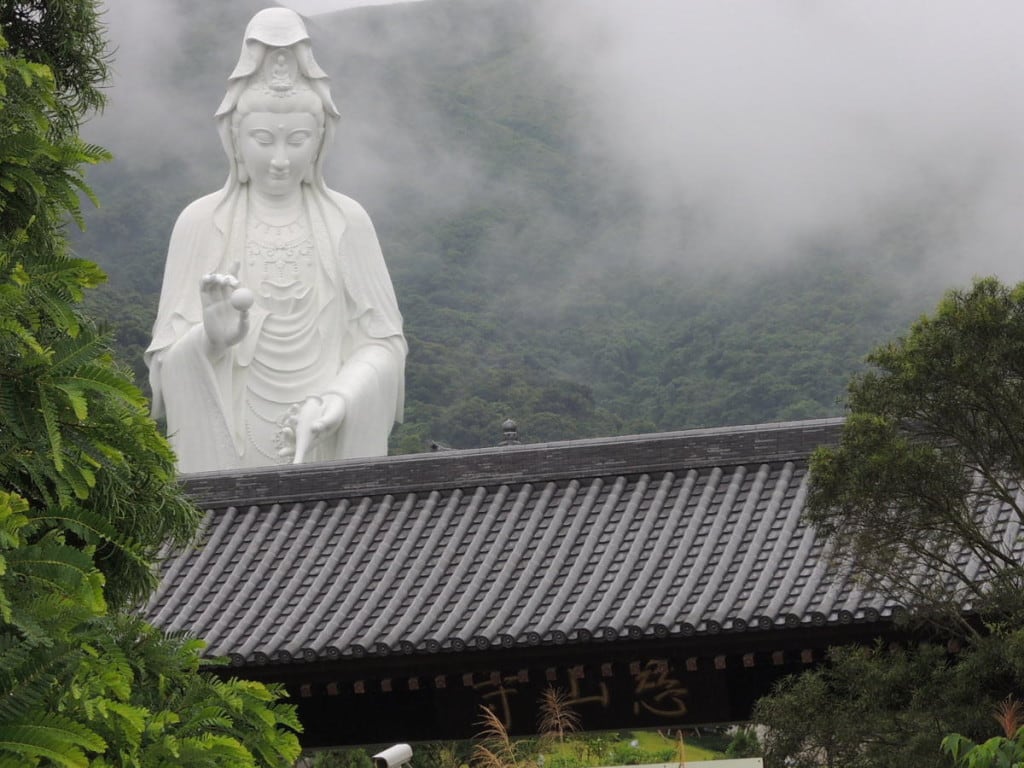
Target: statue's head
pixel 276 75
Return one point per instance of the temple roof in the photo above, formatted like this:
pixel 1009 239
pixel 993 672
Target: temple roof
pixel 593 541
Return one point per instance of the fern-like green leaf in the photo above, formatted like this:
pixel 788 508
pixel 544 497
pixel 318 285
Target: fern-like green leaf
pixel 54 737
pixel 52 422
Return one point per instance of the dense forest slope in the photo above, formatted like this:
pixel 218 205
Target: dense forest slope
pixel 532 281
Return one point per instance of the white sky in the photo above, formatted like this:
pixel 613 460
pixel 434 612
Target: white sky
pixel 314 7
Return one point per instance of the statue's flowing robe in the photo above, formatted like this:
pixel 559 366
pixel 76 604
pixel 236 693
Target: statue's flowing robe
pixel 354 344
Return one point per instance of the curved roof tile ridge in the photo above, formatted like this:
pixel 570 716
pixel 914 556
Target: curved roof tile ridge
pixel 790 522
pixel 811 593
pixel 720 563
pixel 198 624
pixel 358 538
pixel 665 538
pixel 386 577
pixel 532 571
pixel 989 524
pixel 313 603
pixel 1003 531
pixel 1006 541
pixel 687 594
pixel 174 561
pixel 806 539
pixel 260 581
pixel 583 562
pixel 275 595
pixel 197 560
pixel 605 563
pixel 376 541
pixel 1012 543
pixel 519 587
pixel 210 624
pixel 422 599
pixel 331 518
pixel 727 605
pixel 456 622
pixel 632 569
pixel 440 604
pixel 241 582
pixel 746 612
pixel 848 607
pixel 1017 520
pixel 838 573
pixel 417 597
pixel 562 559
pixel 475 623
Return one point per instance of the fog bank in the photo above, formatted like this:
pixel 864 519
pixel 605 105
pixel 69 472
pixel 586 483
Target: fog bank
pixel 775 127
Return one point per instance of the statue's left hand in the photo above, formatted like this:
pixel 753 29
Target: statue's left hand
pixel 317 417
pixel 332 414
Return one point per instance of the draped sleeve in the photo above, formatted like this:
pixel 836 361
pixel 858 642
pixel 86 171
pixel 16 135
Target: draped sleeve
pixel 196 248
pixel 364 275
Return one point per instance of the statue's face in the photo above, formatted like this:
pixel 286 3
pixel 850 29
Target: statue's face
pixel 278 150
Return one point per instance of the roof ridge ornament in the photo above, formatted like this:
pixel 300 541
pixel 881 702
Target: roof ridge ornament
pixel 510 433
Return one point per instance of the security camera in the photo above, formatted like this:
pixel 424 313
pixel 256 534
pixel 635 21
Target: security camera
pixel 393 757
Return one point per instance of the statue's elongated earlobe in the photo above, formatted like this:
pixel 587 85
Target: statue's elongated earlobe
pixel 241 171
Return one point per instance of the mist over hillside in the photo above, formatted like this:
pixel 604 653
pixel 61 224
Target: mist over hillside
pixel 602 220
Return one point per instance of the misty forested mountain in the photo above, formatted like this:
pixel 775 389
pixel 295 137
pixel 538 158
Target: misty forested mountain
pixel 534 280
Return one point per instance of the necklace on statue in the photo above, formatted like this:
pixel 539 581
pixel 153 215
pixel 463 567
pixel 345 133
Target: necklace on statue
pixel 280 258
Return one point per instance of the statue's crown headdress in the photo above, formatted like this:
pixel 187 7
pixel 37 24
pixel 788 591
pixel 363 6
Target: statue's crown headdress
pixel 276 56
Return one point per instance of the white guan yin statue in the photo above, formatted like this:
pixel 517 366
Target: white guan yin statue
pixel 278 337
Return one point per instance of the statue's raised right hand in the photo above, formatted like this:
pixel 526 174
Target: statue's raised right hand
pixel 225 308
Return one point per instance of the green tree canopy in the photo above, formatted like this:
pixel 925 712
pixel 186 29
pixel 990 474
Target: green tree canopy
pixel 67 38
pixel 933 448
pixel 923 495
pixel 87 487
pixel 878 707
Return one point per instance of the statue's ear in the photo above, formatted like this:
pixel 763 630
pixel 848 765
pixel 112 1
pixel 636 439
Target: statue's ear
pixel 310 172
pixel 241 171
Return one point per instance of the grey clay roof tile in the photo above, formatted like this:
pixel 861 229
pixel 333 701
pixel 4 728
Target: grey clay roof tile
pixel 691 532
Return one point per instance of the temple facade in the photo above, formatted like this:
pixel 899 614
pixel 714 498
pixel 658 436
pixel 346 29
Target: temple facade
pixel 661 580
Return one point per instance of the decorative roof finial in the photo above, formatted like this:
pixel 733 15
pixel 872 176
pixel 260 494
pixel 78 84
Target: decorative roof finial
pixel 509 433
